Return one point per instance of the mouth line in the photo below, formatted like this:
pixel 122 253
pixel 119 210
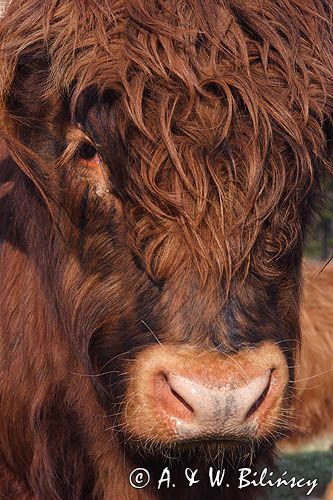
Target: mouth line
pixel 188 444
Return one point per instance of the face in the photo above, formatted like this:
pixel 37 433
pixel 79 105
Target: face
pixel 181 180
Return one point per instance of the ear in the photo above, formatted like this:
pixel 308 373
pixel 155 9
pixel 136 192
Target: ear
pixel 23 68
pixel 32 102
pixel 39 43
pixel 28 117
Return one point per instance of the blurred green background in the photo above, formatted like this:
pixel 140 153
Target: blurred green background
pixel 320 236
pixel 304 464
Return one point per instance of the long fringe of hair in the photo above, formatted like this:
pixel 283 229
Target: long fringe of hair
pixel 231 103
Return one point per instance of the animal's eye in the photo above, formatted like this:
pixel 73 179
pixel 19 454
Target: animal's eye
pixel 88 155
pixel 87 151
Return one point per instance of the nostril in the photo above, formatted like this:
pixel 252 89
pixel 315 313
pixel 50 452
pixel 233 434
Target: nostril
pixel 261 398
pixel 181 400
pixel 171 400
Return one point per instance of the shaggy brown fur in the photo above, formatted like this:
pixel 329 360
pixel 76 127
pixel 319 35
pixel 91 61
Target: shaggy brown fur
pixel 313 404
pixel 312 409
pixel 163 161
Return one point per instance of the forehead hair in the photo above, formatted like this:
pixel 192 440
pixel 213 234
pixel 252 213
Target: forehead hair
pixel 222 108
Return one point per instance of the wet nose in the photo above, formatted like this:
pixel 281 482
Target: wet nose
pixel 181 394
pixel 219 409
